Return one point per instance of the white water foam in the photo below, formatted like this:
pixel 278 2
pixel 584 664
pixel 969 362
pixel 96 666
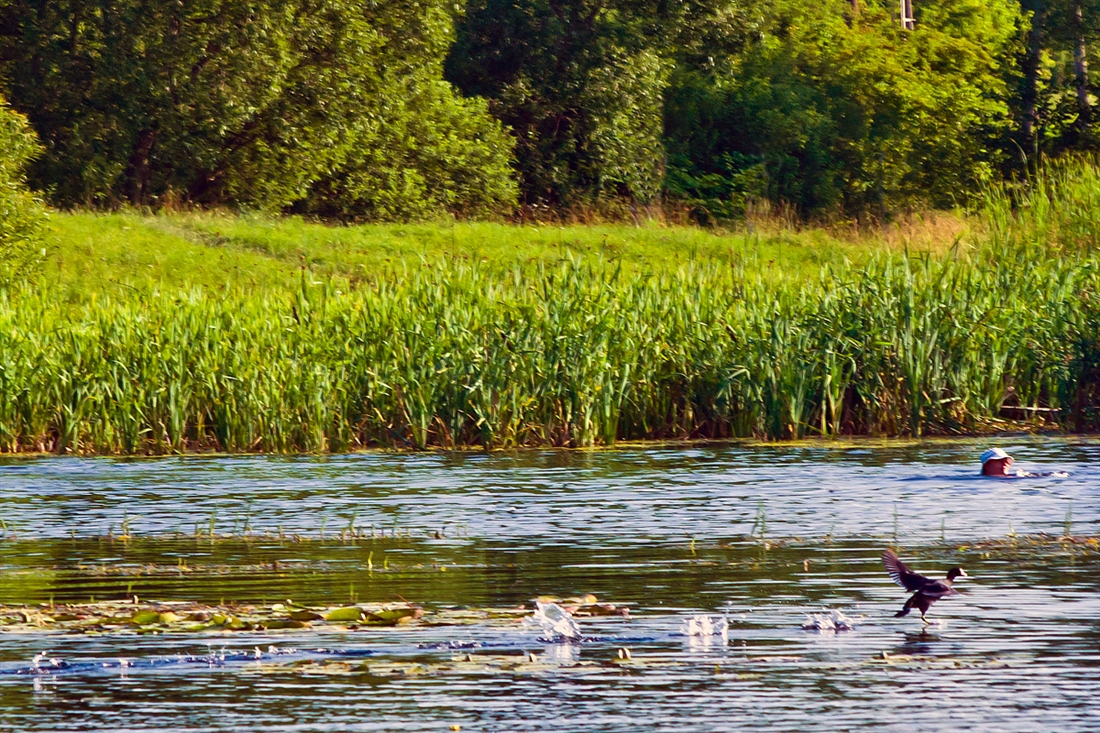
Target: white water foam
pixel 704 626
pixel 832 621
pixel 554 621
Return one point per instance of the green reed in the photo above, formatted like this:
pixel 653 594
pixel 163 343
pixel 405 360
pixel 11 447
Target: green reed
pixel 577 354
pixel 574 356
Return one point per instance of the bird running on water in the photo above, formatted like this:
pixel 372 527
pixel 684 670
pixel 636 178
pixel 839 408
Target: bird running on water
pixel 926 591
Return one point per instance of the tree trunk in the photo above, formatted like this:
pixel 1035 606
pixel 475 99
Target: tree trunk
pixel 74 30
pixel 1029 94
pixel 139 167
pixel 1081 71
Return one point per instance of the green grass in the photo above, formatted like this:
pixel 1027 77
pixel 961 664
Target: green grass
pixel 173 333
pixel 109 253
pixel 114 253
pixel 570 355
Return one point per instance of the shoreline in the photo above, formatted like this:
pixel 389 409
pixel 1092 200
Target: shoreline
pixel 842 442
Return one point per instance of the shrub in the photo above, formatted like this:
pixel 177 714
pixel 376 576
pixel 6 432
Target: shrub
pixel 22 215
pixel 246 104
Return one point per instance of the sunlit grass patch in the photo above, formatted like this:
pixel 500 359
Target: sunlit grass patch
pixel 98 254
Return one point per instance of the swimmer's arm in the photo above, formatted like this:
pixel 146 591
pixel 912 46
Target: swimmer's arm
pixel 1020 473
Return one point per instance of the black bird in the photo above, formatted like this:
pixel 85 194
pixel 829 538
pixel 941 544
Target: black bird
pixel 926 591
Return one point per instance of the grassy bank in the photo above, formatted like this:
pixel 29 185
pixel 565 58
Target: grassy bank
pixel 683 333
pixel 115 254
pixel 570 356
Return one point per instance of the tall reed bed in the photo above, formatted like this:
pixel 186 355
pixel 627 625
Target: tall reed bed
pixel 1054 212
pixel 574 355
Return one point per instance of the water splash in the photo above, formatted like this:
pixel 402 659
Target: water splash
pixel 452 644
pixel 43 663
pixel 833 621
pixel 707 627
pixel 554 621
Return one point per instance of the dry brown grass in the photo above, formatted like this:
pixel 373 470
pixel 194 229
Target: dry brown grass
pixel 927 230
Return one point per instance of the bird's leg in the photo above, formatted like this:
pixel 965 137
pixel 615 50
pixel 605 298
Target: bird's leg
pixel 926 621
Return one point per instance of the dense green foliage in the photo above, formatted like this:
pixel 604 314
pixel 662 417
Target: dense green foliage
pixel 1054 212
pixel 580 358
pixel 580 84
pixel 346 110
pixel 829 109
pixel 22 215
pixel 1055 96
pixel 251 104
pixel 828 106
pixel 427 150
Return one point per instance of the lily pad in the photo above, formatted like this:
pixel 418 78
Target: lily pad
pixel 586 600
pixel 306 615
pixel 394 616
pixel 285 623
pixel 142 618
pixel 348 613
pixel 231 622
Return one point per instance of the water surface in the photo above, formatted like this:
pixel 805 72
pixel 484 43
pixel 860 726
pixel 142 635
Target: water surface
pixel 762 535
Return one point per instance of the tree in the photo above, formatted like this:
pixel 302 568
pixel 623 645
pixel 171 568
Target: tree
pixel 1030 69
pixel 428 150
pixel 238 102
pixel 22 216
pixel 580 83
pixel 836 111
pixel 1080 69
pixel 1056 99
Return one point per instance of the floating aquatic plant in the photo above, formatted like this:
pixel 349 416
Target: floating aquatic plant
pixel 146 617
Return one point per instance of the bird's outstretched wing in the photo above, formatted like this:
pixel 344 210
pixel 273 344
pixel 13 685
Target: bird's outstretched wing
pixel 902 575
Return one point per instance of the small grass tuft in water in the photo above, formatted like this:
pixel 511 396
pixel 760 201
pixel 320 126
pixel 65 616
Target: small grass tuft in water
pixel 760 523
pixel 125 526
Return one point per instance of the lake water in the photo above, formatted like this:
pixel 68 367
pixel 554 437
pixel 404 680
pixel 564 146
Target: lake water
pixel 758 535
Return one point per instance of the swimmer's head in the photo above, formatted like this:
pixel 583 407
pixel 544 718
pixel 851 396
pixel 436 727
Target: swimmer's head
pixel 995 462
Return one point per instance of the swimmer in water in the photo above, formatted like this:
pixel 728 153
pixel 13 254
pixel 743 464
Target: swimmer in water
pixel 995 462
